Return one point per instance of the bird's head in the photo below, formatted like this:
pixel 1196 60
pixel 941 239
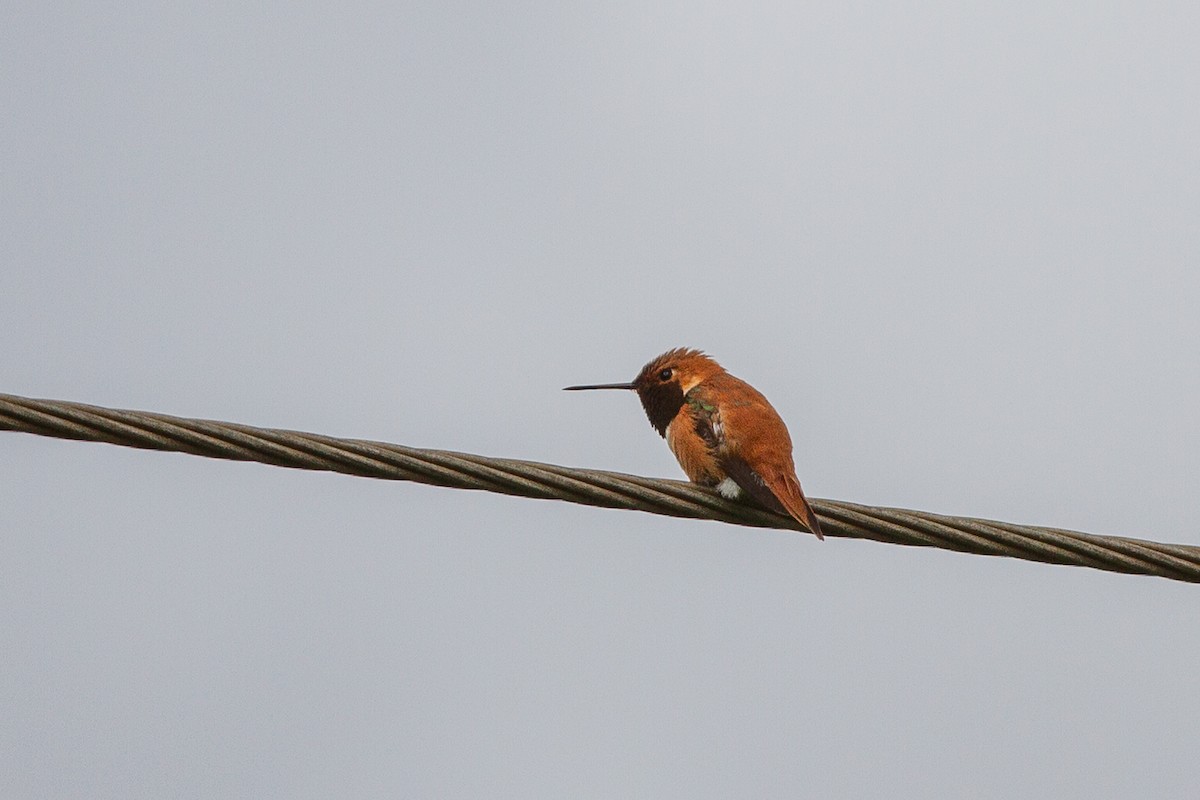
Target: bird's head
pixel 662 383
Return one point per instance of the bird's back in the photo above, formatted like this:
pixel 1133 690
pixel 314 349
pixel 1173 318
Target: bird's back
pixel 752 445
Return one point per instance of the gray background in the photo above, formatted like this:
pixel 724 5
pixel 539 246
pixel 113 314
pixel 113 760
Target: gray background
pixel 956 247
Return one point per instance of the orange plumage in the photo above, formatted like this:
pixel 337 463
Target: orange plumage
pixel 722 431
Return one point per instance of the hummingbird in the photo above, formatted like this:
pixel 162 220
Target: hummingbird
pixel 722 431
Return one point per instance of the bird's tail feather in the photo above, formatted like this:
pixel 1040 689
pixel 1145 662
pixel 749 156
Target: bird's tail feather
pixel 797 505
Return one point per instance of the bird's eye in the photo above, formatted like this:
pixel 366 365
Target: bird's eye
pixel 665 375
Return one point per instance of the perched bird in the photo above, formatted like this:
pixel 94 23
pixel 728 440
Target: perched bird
pixel 722 431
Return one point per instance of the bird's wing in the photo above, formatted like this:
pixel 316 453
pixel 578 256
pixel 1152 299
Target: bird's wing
pixel 779 493
pixel 751 482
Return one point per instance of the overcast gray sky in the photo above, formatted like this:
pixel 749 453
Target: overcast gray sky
pixel 957 247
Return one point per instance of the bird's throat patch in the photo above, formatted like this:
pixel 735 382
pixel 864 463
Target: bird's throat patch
pixel 662 403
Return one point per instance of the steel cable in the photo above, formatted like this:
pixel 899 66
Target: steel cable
pixel 312 451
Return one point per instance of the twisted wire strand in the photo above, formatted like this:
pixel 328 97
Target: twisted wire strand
pixel 370 459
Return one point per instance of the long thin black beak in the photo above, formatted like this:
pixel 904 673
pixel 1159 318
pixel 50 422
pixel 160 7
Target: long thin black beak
pixel 599 386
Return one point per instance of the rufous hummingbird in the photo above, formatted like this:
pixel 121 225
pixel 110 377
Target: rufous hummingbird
pixel 722 431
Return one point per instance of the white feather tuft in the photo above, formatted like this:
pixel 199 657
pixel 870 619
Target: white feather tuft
pixel 729 489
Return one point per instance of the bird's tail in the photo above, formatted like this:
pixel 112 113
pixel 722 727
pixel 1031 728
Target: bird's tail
pixel 796 504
